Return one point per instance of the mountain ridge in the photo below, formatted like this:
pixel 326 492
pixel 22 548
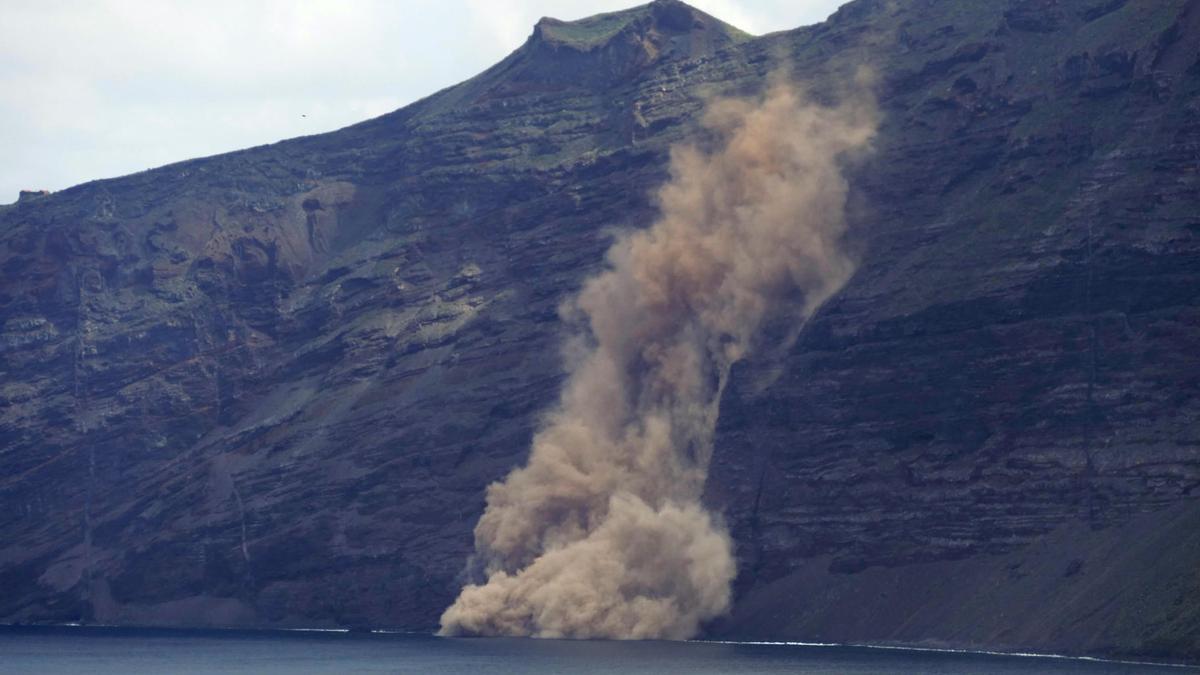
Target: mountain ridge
pixel 268 388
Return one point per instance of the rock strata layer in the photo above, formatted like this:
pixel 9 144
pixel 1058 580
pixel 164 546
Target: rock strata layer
pixel 268 388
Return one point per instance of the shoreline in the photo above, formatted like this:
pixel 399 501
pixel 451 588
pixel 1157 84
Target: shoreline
pixel 951 650
pixel 763 643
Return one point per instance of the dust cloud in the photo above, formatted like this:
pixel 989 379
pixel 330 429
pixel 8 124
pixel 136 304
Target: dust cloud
pixel 602 533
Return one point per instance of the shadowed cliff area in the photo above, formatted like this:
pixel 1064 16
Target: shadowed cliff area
pixel 269 388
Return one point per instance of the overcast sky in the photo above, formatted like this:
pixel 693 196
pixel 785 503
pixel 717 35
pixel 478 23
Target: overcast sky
pixel 101 88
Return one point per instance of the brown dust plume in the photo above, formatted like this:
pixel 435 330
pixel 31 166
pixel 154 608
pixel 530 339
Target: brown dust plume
pixel 602 533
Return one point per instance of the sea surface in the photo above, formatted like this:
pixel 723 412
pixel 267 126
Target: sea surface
pixel 117 650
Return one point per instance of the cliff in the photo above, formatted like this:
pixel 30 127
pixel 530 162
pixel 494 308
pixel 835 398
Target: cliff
pixel 268 388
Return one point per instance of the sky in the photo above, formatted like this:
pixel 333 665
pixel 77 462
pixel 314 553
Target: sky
pixel 101 88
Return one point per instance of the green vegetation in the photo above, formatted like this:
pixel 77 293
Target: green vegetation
pixel 596 31
pixel 591 32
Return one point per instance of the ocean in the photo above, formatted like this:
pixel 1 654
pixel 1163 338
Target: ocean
pixel 101 651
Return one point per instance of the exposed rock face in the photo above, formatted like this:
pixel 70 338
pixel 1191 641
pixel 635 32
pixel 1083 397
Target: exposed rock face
pixel 1017 350
pixel 610 49
pixel 27 195
pixel 269 388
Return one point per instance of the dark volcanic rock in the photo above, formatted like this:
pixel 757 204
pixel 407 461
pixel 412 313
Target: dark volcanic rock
pixel 1015 354
pixel 268 388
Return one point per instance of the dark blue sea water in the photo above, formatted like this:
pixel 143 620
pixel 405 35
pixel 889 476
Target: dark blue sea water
pixel 102 651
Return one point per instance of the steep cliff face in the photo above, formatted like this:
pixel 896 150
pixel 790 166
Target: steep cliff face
pixel 269 387
pixel 1015 357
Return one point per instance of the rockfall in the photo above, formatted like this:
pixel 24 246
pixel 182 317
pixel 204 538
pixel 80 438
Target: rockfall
pixel 269 388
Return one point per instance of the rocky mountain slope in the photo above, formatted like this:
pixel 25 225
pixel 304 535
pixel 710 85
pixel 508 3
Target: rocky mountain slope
pixel 268 388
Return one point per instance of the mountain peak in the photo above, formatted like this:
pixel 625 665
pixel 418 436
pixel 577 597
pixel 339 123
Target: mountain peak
pixel 607 48
pixel 662 21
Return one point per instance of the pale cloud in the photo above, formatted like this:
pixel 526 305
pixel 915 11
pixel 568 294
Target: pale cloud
pixel 107 87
